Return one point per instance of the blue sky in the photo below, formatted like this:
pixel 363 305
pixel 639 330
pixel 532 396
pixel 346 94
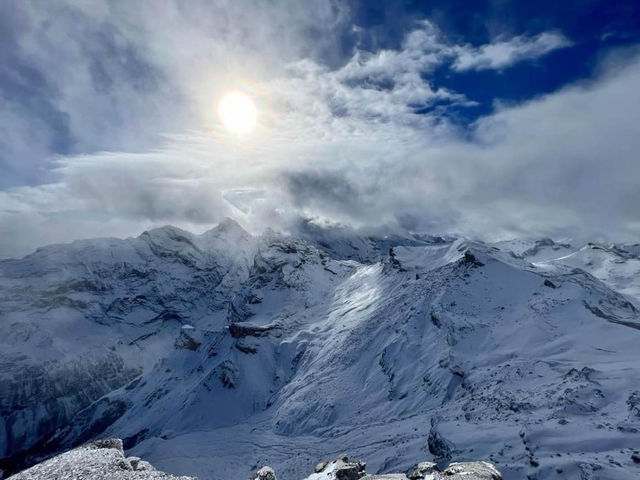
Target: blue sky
pixel 489 118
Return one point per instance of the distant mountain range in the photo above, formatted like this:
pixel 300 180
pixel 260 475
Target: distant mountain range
pixel 214 354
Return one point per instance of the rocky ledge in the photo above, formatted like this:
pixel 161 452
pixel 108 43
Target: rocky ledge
pixel 98 460
pixel 105 460
pixel 343 469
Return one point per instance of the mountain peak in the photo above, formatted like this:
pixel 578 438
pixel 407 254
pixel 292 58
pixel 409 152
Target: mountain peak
pixel 166 231
pixel 227 225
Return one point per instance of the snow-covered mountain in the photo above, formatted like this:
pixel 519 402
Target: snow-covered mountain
pixel 213 354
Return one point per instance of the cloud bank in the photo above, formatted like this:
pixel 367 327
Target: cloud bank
pixel 368 143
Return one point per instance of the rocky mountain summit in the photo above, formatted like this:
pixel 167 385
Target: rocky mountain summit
pixel 214 354
pixel 98 460
pixel 105 460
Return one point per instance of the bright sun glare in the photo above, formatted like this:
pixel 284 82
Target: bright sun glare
pixel 237 112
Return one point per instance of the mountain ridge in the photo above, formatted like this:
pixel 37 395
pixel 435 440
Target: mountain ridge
pixel 246 347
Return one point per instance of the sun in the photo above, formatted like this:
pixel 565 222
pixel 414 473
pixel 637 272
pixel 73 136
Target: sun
pixel 237 112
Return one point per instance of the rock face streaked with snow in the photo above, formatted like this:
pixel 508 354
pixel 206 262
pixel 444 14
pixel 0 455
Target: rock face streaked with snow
pixel 99 460
pixel 213 354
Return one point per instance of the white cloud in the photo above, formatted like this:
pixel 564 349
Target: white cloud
pixel 505 53
pixel 347 145
pixel 90 75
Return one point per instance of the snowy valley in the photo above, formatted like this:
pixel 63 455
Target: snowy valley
pixel 212 355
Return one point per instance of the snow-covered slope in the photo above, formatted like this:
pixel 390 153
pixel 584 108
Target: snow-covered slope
pixel 213 354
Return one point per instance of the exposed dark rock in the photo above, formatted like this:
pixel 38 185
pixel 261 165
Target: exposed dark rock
pixel 393 260
pixel 609 317
pixel 470 259
pixel 350 471
pixel 240 330
pixel 132 440
pixel 186 342
pixel 254 299
pixel 439 446
pixel 549 283
pixel 342 469
pixel 227 373
pixel 583 374
pixel 633 402
pixel 244 348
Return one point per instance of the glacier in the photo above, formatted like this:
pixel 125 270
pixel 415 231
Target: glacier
pixel 211 355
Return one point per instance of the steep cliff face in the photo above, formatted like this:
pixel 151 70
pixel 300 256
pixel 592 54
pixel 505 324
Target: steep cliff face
pixel 213 354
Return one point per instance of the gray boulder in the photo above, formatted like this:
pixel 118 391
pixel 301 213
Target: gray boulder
pixel 424 470
pixel 343 469
pixel 350 471
pixel 471 471
pixel 265 473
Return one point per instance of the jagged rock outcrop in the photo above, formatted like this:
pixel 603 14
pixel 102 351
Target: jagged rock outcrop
pixel 265 473
pixel 422 470
pixel 105 460
pixel 185 340
pixel 468 471
pixel 439 446
pixel 98 460
pixel 343 469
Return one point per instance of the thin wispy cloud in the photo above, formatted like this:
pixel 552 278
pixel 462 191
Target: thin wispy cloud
pixel 505 53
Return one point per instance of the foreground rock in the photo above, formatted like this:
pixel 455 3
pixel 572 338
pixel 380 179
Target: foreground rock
pixel 470 470
pixel 101 459
pixel 105 460
pixel 343 469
